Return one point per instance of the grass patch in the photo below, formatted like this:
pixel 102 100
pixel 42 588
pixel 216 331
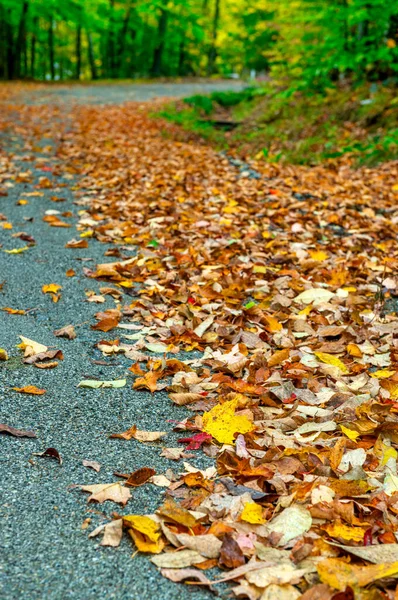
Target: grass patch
pixel 297 128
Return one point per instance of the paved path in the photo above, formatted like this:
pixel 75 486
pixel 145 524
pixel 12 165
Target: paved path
pixel 129 92
pixel 44 553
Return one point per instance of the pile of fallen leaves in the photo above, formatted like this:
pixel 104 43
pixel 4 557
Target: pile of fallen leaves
pixel 264 305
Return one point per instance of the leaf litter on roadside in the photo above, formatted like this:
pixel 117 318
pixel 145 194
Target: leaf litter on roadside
pixel 276 292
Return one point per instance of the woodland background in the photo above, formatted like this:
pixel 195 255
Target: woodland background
pixel 312 42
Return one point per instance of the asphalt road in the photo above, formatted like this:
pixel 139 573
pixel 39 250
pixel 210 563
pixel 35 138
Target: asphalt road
pixel 44 552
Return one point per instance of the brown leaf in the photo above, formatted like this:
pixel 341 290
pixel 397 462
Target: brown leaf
pixel 231 555
pixel 43 356
pixel 16 432
pixel 139 477
pixel 77 244
pixel 278 357
pixel 50 453
pixel 185 398
pixel 148 382
pixel 68 331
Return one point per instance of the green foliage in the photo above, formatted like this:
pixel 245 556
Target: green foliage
pixel 303 129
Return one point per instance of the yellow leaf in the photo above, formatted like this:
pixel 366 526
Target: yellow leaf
pixel 3 354
pixel 318 255
pixel 395 187
pixel 7 226
pixel 22 202
pixel 392 387
pixel 382 374
pixel 259 269
pixel 31 347
pixel 30 389
pixel 389 453
pixel 344 532
pixel 16 250
pixel 51 288
pixel 350 433
pixel 222 423
pixel 252 513
pixel 354 350
pixel 145 533
pixel 329 359
pixel 14 311
pixel 272 324
pixel 339 574
pixel 87 234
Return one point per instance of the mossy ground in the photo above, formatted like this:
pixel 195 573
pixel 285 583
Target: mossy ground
pixel 297 128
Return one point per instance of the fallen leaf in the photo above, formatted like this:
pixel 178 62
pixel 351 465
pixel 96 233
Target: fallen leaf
pixel 76 244
pixel 92 464
pixel 252 513
pixel 206 545
pixel 68 331
pixel 314 296
pixel 30 347
pixel 113 533
pixel 292 522
pixel 177 560
pixel 30 389
pixel 14 311
pixel 102 492
pixel 95 384
pixel 139 477
pixel 339 574
pixel 145 533
pixel 222 423
pixel 50 453
pixel 16 432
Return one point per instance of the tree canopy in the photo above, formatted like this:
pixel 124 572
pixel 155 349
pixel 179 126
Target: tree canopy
pixel 313 42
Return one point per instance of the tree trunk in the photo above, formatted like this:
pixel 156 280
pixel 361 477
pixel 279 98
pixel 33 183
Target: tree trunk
pixel 19 42
pixel 78 51
pixel 10 47
pixel 33 54
pixel 211 62
pixel 91 59
pixel 51 49
pixel 111 42
pixel 121 46
pixel 158 53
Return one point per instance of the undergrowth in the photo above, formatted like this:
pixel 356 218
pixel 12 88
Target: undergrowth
pixel 296 128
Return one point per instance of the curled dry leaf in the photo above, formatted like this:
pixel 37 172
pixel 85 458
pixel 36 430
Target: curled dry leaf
pixel 94 384
pixel 30 389
pixel 141 436
pixel 77 244
pixel 139 477
pixel 92 464
pixel 68 332
pixel 113 533
pixel 16 432
pixel 50 453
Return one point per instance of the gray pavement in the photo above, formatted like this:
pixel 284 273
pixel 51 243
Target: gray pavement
pixel 44 553
pixel 129 92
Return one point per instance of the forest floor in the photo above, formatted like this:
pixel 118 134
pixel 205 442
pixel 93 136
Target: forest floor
pixel 241 316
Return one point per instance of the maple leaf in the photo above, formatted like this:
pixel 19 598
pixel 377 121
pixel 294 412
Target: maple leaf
pixel 195 442
pixel 102 492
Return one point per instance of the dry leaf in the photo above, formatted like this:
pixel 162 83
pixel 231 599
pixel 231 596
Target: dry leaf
pixel 102 492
